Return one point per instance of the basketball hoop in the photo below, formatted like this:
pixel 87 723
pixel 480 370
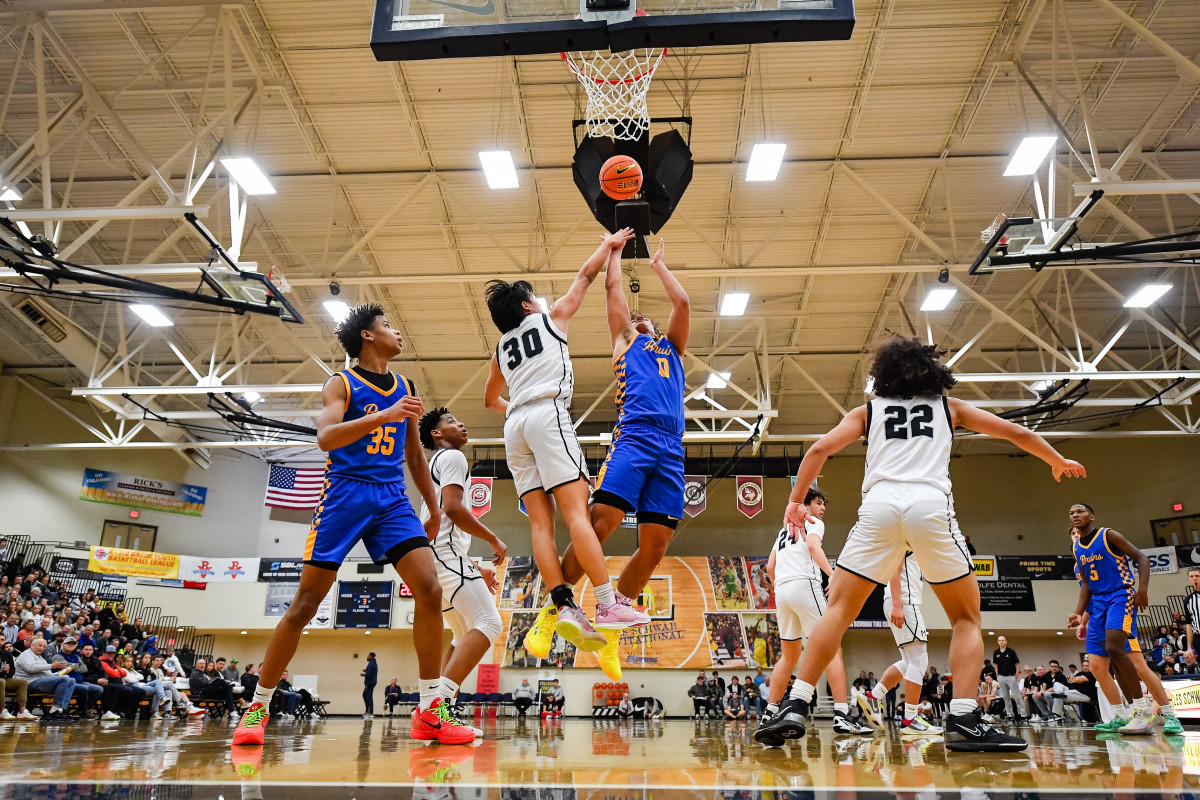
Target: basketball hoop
pixel 275 276
pixel 616 86
pixel 987 233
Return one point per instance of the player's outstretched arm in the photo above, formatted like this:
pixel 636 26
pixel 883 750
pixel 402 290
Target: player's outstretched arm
pixel 333 433
pixel 454 508
pixel 493 388
pixel 418 469
pixel 976 419
pixel 852 428
pixel 1143 564
pixel 680 323
pixel 620 329
pixel 566 306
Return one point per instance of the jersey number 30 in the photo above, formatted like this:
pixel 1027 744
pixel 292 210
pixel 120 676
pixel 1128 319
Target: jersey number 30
pixel 383 441
pixel 530 340
pixel 899 425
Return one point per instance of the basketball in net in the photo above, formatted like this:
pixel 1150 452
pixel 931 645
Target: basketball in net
pixel 616 86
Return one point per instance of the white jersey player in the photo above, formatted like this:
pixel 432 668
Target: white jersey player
pixel 468 587
pixel 795 566
pixel 902 606
pixel 543 453
pixel 907 506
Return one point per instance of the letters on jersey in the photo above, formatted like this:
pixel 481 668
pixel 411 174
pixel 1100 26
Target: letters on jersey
pixel 377 457
pixel 909 441
pixel 536 365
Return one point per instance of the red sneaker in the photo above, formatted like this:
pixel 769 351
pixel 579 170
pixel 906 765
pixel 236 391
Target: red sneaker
pixel 252 729
pixel 247 761
pixel 435 764
pixel 435 722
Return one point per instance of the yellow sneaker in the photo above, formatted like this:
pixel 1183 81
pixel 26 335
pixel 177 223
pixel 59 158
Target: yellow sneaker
pixel 609 656
pixel 541 636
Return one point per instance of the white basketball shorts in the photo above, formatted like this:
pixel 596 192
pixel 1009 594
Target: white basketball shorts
pixel 542 450
pixel 913 629
pixel 798 605
pixel 895 517
pixel 465 595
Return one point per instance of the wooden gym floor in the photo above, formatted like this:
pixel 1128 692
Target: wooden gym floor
pixel 573 759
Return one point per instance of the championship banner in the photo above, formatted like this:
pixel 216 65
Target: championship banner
pixel 750 494
pixel 218 570
pixel 695 494
pixel 480 496
pixel 119 489
pixel 133 563
pixel 1162 560
pixel 1007 595
pixel 1038 568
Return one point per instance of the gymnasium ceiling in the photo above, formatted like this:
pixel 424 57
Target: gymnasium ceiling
pixel 897 140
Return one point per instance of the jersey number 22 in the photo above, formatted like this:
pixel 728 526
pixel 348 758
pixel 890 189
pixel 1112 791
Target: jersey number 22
pixel 899 425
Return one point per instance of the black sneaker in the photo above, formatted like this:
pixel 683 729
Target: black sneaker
pixel 968 733
pixel 842 723
pixel 789 722
pixel 765 737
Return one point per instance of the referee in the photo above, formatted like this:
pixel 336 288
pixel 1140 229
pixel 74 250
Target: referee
pixel 1191 604
pixel 1008 665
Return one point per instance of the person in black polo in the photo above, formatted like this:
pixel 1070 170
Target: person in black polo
pixel 1191 606
pixel 1008 666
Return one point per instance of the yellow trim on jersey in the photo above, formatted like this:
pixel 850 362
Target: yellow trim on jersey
pixel 346 381
pixel 1104 533
pixel 408 385
pixel 626 348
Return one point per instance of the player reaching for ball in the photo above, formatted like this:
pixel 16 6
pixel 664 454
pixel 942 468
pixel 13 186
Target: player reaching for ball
pixel 467 587
pixel 365 428
pixel 643 472
pixel 543 453
pixel 907 505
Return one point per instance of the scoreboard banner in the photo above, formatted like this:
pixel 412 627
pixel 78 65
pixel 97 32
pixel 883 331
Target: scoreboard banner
pixel 364 604
pixel 119 489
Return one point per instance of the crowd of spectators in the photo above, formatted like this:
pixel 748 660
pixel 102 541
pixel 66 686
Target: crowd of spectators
pixel 737 699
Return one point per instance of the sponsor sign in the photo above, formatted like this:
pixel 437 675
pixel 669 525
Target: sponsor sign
pixel 324 616
pixel 64 567
pixel 1015 594
pixel 1162 560
pixel 695 494
pixel 119 489
pixel 487 678
pixel 479 494
pixel 1038 568
pixel 750 494
pixel 279 598
pixel 218 570
pixel 985 567
pixel 279 570
pixel 1185 698
pixel 133 563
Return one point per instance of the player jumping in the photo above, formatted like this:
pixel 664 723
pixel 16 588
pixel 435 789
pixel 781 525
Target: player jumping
pixel 643 472
pixel 543 453
pixel 467 587
pixel 1106 591
pixel 907 505
pixel 364 427
pixel 902 603
pixel 795 566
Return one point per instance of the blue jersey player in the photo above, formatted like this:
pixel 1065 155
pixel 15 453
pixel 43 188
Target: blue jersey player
pixel 365 428
pixel 644 470
pixel 1104 561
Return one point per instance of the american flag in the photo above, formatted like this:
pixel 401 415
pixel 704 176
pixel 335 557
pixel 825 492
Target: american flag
pixel 294 487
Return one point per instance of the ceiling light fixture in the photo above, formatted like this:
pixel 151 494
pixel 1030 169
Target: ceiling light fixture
pixel 1029 156
pixel 499 169
pixel 337 309
pixel 248 175
pixel 717 380
pixel 765 161
pixel 1148 295
pixel 151 315
pixel 252 397
pixel 938 299
pixel 733 304
pixel 9 194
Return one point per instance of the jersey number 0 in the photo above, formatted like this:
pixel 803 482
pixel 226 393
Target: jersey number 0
pixel 530 340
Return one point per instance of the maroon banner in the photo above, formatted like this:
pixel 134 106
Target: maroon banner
pixel 695 494
pixel 481 496
pixel 487 680
pixel 750 494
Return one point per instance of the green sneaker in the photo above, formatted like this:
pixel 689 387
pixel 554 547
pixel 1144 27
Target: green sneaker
pixel 1112 726
pixel 1171 725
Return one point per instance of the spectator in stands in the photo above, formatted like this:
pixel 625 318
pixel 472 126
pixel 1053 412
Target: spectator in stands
pixel 735 700
pixel 106 617
pixel 987 697
pixel 45 627
pixel 988 668
pixel 86 694
pixel 699 694
pixel 370 676
pixel 123 698
pixel 173 663
pixel 288 697
pixel 1061 692
pixel 229 673
pixel 31 667
pixel 19 688
pixel 1188 664
pixel 167 677
pixel 553 701
pixel 720 682
pixel 925 708
pixel 625 707
pixel 1039 696
pixel 753 697
pixel 249 680
pixel 86 637
pixel 522 697
pixel 716 697
pixel 392 695
pixel 146 684
pixel 203 685
pixel 11 627
pixel 133 634
pixel 25 634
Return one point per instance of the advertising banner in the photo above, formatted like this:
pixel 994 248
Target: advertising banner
pixel 119 489
pixel 1038 568
pixel 985 567
pixel 279 598
pixel 218 570
pixel 1014 594
pixel 279 570
pixel 1162 560
pixel 133 563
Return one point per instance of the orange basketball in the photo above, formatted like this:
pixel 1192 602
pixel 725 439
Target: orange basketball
pixel 621 177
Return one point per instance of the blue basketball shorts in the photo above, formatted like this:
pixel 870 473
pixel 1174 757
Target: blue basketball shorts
pixel 377 514
pixel 1112 611
pixel 643 472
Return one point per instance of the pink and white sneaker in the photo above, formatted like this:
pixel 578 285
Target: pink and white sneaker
pixel 619 615
pixel 573 626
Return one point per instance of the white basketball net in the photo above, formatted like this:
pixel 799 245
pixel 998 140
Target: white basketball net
pixel 616 86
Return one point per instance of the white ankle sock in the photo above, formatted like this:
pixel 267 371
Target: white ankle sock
pixel 447 689
pixel 262 694
pixel 962 705
pixel 879 692
pixel 605 596
pixel 842 707
pixel 1167 709
pixel 772 707
pixel 910 711
pixel 1142 703
pixel 429 692
pixel 802 691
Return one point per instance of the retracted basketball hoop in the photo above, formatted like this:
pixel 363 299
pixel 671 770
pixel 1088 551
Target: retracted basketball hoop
pixel 616 86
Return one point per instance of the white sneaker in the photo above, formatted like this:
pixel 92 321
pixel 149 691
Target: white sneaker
pixel 368 716
pixel 25 715
pixel 1035 718
pixel 6 714
pixel 156 715
pixel 108 716
pixel 195 711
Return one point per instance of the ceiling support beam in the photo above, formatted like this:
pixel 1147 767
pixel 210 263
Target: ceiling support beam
pixel 1186 66
pixel 74 214
pixel 1113 188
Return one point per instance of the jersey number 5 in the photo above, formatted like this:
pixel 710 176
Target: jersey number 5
pixel 898 425
pixel 530 340
pixel 383 441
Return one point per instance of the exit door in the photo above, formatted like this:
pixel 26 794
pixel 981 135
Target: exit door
pixel 129 536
